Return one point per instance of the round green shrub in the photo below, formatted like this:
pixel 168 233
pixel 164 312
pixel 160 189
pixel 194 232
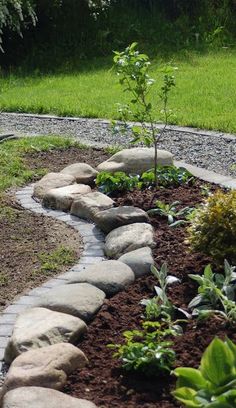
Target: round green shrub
pixel 213 227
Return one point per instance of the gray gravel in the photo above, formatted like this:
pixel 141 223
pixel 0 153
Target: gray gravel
pixel 211 150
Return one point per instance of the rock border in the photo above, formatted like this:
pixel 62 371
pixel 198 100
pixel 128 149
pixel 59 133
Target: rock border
pixel 93 251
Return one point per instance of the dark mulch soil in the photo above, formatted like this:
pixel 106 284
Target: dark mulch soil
pixel 24 235
pixel 103 381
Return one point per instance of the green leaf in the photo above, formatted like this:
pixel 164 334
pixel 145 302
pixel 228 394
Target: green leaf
pixel 190 378
pixel 187 397
pixel 216 362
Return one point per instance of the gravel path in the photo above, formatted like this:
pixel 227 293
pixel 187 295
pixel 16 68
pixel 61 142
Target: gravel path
pixel 211 150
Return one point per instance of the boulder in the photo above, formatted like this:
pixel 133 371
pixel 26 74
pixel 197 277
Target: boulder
pixel 139 261
pixel 82 172
pixel 128 238
pixel 39 327
pixel 38 397
pixel 44 367
pixel 52 180
pixel 62 198
pixel 109 276
pixel 116 217
pixel 88 205
pixel 135 160
pixel 81 300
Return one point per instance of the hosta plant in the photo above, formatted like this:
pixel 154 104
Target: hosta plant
pixel 213 384
pixel 213 227
pixel 118 181
pixel 146 350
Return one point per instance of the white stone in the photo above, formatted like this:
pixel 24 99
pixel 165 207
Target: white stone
pixel 39 327
pixel 52 180
pixel 62 198
pixel 45 367
pixel 128 238
pixel 139 261
pixel 82 172
pixel 38 397
pixel 88 205
pixel 81 300
pixel 116 217
pixel 135 160
pixel 109 276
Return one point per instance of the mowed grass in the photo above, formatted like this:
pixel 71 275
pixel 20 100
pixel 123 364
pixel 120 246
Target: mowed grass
pixel 204 97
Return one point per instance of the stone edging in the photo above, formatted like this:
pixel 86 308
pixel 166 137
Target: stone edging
pixel 93 239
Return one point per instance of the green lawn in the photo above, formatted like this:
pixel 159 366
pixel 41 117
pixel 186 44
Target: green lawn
pixel 205 95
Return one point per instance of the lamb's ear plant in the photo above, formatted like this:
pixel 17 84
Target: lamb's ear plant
pixel 171 213
pixel 132 69
pixel 213 384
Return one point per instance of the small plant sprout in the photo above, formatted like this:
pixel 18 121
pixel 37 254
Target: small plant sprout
pixel 132 69
pixel 171 213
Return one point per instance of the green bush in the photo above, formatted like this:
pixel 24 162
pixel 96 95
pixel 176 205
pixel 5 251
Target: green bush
pixel 213 227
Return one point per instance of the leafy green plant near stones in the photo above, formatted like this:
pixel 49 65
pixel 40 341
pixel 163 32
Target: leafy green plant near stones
pixel 213 227
pixel 133 71
pixel 118 181
pixel 171 213
pixel 216 294
pixel 213 384
pixel 52 262
pixel 167 176
pixel 160 307
pixel 146 350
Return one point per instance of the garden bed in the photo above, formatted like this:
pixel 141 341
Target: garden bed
pixel 103 381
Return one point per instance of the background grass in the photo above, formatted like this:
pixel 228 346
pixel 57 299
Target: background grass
pixel 204 97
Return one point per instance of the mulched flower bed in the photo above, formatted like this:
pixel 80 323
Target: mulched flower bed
pixel 103 381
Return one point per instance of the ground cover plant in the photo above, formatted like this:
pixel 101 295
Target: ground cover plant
pixel 78 91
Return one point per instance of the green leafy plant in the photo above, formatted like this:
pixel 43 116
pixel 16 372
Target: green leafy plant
pixel 213 384
pixel 216 293
pixel 170 212
pixel 213 227
pixel 146 350
pixel 118 181
pixel 167 176
pixel 132 69
pixel 160 307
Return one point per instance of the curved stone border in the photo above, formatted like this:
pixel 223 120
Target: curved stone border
pixel 93 239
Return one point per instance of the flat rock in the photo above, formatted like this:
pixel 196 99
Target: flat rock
pixel 135 160
pixel 109 276
pixel 39 327
pixel 139 261
pixel 38 397
pixel 128 238
pixel 52 180
pixel 45 367
pixel 88 205
pixel 81 300
pixel 116 217
pixel 62 198
pixel 82 172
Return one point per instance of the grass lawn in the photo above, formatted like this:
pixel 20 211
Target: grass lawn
pixel 205 95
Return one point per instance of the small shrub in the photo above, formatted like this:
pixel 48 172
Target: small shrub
pixel 212 385
pixel 213 227
pixel 146 350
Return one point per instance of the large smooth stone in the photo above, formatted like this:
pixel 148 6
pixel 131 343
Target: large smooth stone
pixel 82 172
pixel 38 397
pixel 136 160
pixel 39 327
pixel 88 205
pixel 109 276
pixel 116 217
pixel 128 238
pixel 45 367
pixel 81 300
pixel 52 180
pixel 63 197
pixel 139 261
